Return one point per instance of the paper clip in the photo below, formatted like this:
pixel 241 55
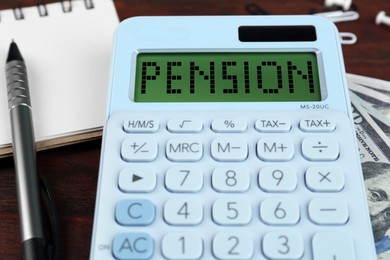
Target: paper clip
pixel 347 38
pixel 340 16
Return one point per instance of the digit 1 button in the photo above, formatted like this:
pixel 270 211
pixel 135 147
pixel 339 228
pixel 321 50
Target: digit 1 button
pixel 332 245
pixel 283 245
pixel 182 245
pixel 232 245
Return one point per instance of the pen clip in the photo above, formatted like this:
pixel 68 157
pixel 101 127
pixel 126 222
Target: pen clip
pixel 53 242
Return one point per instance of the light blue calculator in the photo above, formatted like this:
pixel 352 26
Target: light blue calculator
pixel 229 137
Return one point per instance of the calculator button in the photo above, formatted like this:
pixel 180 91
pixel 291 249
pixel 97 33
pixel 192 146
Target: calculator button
pixel 183 212
pixel 137 179
pixel 275 149
pixel 317 125
pixel 229 125
pixel 140 126
pixel 138 246
pixel 328 211
pixel 136 212
pixel 184 150
pixel 281 211
pixel 184 126
pixel 230 179
pixel 272 125
pixel 324 179
pixel 320 149
pixel 332 245
pixel 232 245
pixel 139 149
pixel 182 245
pixel 231 212
pixel 282 245
pixel 277 179
pixel 229 149
pixel 184 179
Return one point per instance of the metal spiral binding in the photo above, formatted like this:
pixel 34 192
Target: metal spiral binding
pixel 66 6
pixel 17 84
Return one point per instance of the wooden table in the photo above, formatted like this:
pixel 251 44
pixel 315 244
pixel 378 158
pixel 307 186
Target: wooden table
pixel 72 171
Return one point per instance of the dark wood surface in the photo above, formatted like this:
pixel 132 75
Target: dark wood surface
pixel 72 171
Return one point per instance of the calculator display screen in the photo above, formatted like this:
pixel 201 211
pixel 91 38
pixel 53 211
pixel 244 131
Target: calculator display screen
pixel 227 77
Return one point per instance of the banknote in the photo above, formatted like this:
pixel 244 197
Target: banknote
pixel 371 127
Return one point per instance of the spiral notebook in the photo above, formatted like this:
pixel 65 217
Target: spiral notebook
pixel 67 50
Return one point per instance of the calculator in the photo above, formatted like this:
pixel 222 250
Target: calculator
pixel 229 137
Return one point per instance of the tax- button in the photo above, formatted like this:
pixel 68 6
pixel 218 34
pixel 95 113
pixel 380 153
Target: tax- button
pixel 138 246
pixel 137 212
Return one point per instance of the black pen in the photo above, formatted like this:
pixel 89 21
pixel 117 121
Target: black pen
pixel 34 244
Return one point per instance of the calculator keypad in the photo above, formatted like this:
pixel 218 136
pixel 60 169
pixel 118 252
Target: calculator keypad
pixel 236 187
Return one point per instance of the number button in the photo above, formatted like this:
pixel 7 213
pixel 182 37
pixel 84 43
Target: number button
pixel 231 212
pixel 183 212
pixel 277 179
pixel 232 245
pixel 283 211
pixel 282 245
pixel 230 179
pixel 182 245
pixel 184 179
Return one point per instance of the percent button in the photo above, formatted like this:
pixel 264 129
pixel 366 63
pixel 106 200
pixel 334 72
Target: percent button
pixel 229 125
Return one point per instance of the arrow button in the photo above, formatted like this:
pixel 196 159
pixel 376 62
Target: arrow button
pixel 137 179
